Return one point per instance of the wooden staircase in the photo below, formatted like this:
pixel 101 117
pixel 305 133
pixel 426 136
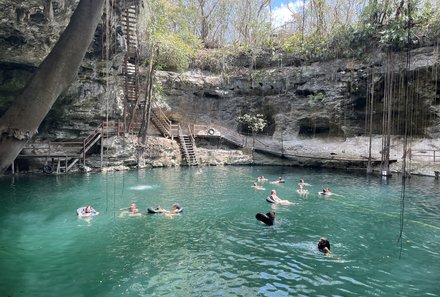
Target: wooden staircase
pixel 62 156
pixel 88 143
pixel 133 100
pixel 169 129
pixel 161 122
pixel 187 145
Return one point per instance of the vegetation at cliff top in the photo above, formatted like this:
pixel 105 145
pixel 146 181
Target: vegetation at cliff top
pixel 316 29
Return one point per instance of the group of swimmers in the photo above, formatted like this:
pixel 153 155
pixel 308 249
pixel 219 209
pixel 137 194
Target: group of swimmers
pixel 301 190
pixel 269 218
pixel 132 210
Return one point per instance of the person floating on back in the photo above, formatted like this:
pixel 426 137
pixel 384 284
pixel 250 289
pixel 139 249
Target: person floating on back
pixel 268 218
pixel 86 211
pixel 324 245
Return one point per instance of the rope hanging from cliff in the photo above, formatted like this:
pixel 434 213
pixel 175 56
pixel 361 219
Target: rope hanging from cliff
pixel 369 120
pixel 408 115
pixel 386 113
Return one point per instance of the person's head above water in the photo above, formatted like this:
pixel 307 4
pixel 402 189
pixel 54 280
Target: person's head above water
pixel 324 245
pixel 273 192
pixel 88 209
pixel 271 215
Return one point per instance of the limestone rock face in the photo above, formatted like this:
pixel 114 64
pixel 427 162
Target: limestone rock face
pixel 316 109
pixel 29 29
pixel 323 99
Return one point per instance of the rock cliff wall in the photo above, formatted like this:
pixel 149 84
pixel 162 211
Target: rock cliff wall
pixel 317 109
pixel 320 100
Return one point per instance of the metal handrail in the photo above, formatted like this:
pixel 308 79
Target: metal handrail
pixel 237 138
pixel 434 154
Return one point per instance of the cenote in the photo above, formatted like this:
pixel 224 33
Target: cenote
pixel 215 247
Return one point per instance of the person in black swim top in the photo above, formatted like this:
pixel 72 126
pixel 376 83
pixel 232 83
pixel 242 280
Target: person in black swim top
pixel 267 218
pixel 324 245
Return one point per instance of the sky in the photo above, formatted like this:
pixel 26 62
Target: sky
pixel 280 12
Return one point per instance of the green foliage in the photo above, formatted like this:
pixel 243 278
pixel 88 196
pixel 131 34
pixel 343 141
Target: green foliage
pixel 382 25
pixel 305 47
pixel 170 35
pixel 174 52
pixel 255 123
pixel 174 29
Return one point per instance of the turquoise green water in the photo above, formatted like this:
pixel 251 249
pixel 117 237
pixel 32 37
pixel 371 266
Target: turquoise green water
pixel 216 247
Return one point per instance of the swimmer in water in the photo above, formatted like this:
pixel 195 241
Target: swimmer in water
pixel 280 180
pixel 257 187
pixel 268 218
pixel 277 200
pixel 301 191
pixel 324 245
pixel 261 179
pixel 86 211
pixel 326 192
pixel 175 209
pixel 302 183
pixel 133 208
pixel 131 211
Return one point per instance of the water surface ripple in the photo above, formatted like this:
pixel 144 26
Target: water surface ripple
pixel 216 247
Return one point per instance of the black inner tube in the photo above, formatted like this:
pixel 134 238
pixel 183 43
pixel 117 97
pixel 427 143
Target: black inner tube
pixel 268 218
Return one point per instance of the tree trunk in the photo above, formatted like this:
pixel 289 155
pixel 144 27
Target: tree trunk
pixel 55 74
pixel 146 115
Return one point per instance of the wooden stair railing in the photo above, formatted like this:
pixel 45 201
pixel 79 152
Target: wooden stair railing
pixel 187 148
pixel 133 99
pixel 71 152
pixel 161 122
